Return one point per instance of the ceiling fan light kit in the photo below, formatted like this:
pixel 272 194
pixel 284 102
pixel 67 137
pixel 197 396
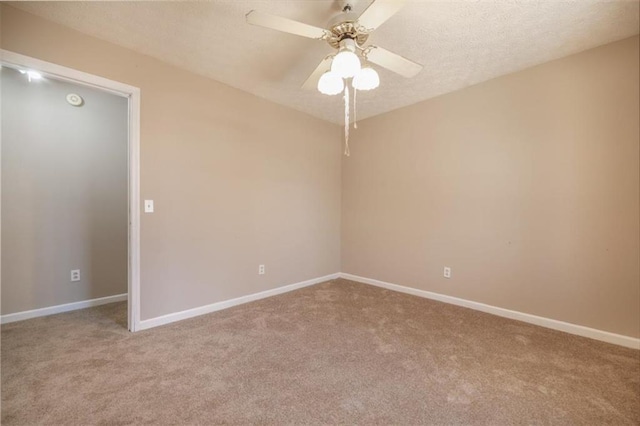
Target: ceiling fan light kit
pixel 330 83
pixel 366 79
pixel 348 33
pixel 346 63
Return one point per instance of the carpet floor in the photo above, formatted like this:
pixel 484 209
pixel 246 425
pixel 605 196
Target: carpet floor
pixel 337 352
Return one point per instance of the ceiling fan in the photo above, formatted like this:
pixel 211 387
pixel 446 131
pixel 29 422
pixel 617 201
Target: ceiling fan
pixel 348 33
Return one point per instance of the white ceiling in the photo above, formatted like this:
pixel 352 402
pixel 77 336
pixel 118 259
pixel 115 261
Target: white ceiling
pixel 460 43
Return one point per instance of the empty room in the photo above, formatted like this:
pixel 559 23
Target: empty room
pixel 320 212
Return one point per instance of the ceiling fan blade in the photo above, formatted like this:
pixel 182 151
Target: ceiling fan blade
pixel 312 81
pixel 393 62
pixel 378 12
pixel 284 24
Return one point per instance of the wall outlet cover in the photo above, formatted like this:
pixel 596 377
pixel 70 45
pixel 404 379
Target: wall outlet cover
pixel 447 272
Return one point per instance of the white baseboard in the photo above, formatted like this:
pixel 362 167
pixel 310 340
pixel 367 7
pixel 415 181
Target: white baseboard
pixel 190 313
pixel 566 327
pixel 19 316
pixel 592 333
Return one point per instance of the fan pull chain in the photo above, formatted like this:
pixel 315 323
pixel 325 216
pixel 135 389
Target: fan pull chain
pixel 355 109
pixel 346 121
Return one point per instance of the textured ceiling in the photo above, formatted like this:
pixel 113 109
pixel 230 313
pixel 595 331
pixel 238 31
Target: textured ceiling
pixel 460 43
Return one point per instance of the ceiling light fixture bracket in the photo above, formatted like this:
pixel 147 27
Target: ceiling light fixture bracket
pixel 347 5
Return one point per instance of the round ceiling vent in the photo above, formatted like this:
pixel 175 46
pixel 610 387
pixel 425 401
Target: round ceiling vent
pixel 75 100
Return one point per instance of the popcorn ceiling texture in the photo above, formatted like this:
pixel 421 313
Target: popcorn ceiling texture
pixel 460 43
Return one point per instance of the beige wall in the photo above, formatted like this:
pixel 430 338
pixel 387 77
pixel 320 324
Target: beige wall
pixel 64 193
pixel 237 181
pixel 526 186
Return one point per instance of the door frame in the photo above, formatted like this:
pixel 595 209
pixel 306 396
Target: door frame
pixel 133 95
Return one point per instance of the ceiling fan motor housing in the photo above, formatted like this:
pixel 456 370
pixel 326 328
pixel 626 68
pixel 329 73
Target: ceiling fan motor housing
pixel 345 26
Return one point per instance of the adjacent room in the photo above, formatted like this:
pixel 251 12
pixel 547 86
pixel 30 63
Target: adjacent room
pixel 320 212
pixel 64 189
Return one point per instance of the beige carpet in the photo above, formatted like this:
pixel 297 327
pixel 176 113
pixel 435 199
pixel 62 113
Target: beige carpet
pixel 337 352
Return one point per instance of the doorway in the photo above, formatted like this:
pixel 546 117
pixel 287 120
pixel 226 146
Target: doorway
pixel 88 183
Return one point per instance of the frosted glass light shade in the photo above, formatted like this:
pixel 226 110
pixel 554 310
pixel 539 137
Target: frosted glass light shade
pixel 346 64
pixel 330 83
pixel 366 79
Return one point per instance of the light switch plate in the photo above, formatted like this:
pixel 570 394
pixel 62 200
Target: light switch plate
pixel 148 206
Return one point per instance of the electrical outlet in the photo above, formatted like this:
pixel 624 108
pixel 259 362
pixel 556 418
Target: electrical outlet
pixel 75 275
pixel 447 272
pixel 261 270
